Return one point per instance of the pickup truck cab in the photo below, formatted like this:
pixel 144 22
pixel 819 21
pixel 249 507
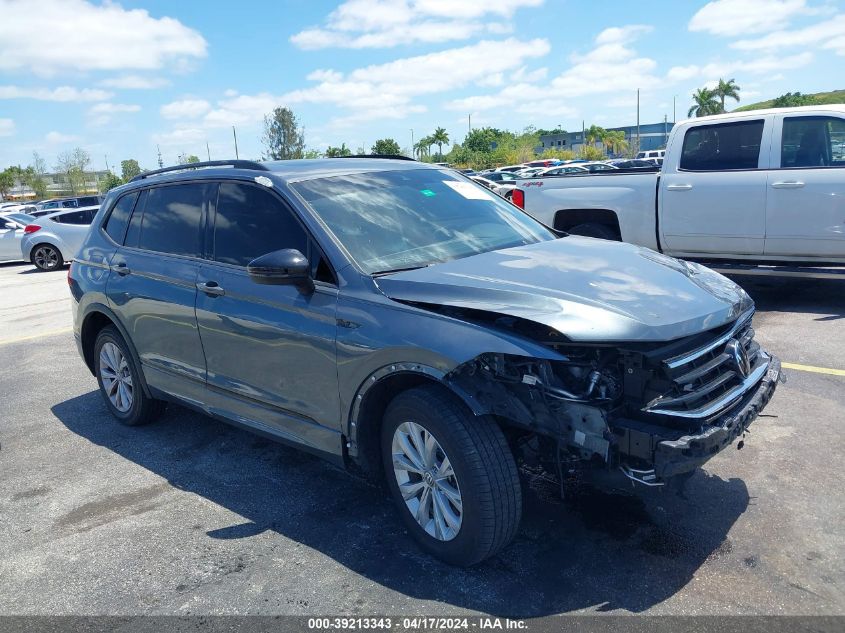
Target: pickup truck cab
pixel 763 186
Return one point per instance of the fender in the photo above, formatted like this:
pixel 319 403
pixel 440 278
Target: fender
pixel 133 353
pixel 386 372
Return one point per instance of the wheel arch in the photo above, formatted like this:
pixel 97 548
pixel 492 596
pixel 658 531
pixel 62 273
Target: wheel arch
pixel 98 316
pixel 566 219
pixel 363 429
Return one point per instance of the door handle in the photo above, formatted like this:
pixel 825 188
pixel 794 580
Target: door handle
pixel 788 184
pixel 211 288
pixel 678 187
pixel 121 269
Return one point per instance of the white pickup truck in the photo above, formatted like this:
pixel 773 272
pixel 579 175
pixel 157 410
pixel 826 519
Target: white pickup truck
pixel 756 187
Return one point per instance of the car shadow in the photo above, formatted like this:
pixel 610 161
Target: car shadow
pixel 793 294
pixel 597 550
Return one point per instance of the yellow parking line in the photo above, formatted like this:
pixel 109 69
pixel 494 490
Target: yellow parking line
pixel 815 370
pixel 32 337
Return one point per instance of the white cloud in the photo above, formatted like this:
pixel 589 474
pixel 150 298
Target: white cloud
pixel 114 108
pixel 388 23
pixel 180 137
pixel 62 93
pixel 622 34
pixel 384 91
pixel 683 73
pixel 135 82
pixel 84 36
pixel 761 65
pixel 829 34
pixel 185 109
pixel 739 17
pixel 530 76
pixel 7 127
pixel 57 138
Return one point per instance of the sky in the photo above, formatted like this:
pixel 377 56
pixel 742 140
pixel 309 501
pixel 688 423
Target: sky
pixel 120 79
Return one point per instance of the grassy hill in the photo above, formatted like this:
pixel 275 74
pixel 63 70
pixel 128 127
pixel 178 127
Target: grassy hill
pixel 819 98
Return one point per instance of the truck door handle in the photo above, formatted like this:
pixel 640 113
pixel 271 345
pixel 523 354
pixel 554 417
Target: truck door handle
pixel 211 288
pixel 678 187
pixel 788 184
pixel 121 269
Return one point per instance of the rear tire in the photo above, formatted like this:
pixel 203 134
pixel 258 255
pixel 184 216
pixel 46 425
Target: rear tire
pixel 473 449
pixel 47 257
pixel 601 231
pixel 120 381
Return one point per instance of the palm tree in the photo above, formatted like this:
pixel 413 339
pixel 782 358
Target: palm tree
pixel 439 138
pixel 593 134
pixel 706 102
pixel 422 146
pixel 726 89
pixel 615 141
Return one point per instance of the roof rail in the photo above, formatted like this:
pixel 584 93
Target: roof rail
pixel 387 156
pixel 235 164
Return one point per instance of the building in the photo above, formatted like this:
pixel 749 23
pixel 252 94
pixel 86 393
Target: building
pixel 651 136
pixel 58 187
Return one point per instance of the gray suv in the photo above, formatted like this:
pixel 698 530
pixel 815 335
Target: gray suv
pixel 406 323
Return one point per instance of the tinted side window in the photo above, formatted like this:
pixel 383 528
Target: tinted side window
pixel 88 201
pixel 172 219
pixel 252 222
pixel 119 217
pixel 722 146
pixel 813 141
pixel 75 217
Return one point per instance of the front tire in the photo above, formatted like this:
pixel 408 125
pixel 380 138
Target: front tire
pixel 120 383
pixel 452 476
pixel 47 257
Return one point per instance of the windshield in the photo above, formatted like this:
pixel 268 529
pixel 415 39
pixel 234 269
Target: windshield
pixel 394 220
pixel 21 218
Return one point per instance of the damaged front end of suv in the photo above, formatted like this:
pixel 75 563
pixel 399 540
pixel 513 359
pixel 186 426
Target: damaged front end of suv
pixel 653 408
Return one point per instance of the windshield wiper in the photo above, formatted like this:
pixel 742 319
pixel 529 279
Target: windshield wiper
pixel 381 273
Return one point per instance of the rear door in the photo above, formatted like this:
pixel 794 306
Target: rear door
pixel 270 349
pixel 712 197
pixel 71 230
pixel 152 286
pixel 805 211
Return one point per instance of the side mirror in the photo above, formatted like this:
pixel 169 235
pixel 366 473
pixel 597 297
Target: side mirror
pixel 285 267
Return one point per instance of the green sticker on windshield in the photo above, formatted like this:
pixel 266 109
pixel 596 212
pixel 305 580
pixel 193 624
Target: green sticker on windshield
pixel 427 192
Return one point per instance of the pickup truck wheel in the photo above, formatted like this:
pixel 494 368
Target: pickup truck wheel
pixel 591 229
pixel 119 381
pixel 452 476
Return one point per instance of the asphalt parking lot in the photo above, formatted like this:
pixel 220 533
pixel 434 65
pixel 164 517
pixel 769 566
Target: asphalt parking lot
pixel 190 516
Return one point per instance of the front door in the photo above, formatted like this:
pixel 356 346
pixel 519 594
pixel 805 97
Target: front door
pixel 152 285
pixel 269 349
pixel 10 241
pixel 712 198
pixel 806 200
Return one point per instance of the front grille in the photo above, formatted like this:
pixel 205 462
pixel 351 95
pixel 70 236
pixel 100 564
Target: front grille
pixel 707 380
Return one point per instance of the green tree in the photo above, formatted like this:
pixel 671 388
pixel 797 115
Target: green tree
pixel 594 134
pixel 792 100
pixel 283 138
pixel 386 147
pixel 481 139
pixel 725 89
pixel 33 176
pixel 129 168
pixel 615 141
pixel 312 154
pixel 440 138
pixel 110 182
pixel 705 102
pixel 7 181
pixel 73 166
pixel 335 152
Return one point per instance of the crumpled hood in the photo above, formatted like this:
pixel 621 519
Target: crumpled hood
pixel 587 289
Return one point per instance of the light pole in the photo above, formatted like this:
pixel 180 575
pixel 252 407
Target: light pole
pixel 412 142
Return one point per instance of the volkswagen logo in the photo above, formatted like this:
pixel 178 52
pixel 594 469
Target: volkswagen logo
pixel 739 357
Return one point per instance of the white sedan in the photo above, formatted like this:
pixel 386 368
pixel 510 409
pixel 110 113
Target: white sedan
pixel 11 232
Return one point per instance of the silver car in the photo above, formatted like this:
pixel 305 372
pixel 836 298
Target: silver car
pixel 11 232
pixel 54 239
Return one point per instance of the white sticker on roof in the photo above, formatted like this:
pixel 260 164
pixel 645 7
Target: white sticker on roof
pixel 264 180
pixel 467 190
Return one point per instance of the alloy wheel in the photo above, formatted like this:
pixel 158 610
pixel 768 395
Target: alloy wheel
pixel 46 257
pixel 427 481
pixel 116 377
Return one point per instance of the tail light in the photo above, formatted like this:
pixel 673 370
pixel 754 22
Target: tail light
pixel 31 228
pixel 70 274
pixel 518 198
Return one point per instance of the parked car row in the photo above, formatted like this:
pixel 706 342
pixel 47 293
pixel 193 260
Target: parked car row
pixel 48 241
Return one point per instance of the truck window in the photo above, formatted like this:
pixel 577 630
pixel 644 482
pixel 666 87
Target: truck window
pixel 722 146
pixel 812 141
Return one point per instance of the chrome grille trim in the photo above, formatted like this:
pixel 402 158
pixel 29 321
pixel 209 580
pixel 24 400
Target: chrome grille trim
pixel 725 400
pixel 742 321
